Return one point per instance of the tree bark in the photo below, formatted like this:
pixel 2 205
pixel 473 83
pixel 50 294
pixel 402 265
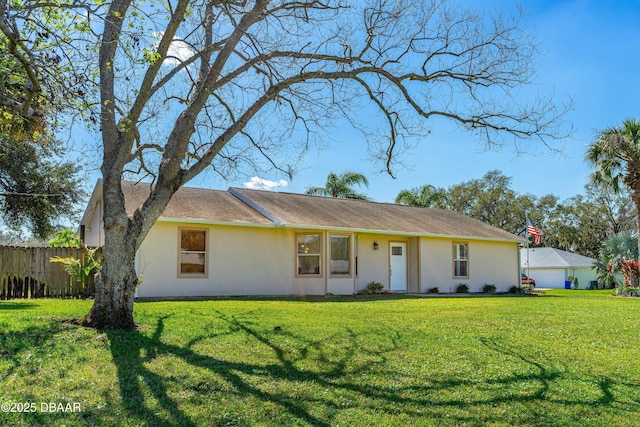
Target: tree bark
pixel 117 280
pixel 115 289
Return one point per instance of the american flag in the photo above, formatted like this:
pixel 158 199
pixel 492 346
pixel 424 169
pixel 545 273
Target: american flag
pixel 533 230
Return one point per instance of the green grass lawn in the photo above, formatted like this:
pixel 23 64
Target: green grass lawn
pixel 565 358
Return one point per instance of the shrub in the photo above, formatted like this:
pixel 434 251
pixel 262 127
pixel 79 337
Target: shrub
pixel 373 288
pixel 631 271
pixel 627 291
pixel 527 289
pixel 514 289
pixel 82 270
pixel 488 288
pixel 65 239
pixel 433 290
pixel 462 288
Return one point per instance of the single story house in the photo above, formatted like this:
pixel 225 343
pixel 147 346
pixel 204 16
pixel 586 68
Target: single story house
pixel 552 268
pixel 252 242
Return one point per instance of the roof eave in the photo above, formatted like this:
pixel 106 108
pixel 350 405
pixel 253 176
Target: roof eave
pixel 198 221
pixel 96 195
pixel 329 228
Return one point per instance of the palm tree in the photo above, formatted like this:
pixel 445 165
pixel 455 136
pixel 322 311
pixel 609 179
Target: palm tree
pixel 616 157
pixel 616 248
pixel 341 186
pixel 426 196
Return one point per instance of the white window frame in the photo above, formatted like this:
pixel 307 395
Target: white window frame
pixel 458 259
pixel 314 254
pixel 205 253
pixel 349 257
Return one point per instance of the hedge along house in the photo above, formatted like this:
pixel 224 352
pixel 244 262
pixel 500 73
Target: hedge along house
pixel 251 242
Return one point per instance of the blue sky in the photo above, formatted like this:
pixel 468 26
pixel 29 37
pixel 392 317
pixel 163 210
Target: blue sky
pixel 591 53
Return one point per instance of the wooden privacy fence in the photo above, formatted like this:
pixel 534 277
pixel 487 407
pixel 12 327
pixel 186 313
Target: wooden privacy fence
pixel 28 273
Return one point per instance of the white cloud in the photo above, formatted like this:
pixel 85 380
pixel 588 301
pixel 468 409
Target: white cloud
pixel 179 51
pixel 257 183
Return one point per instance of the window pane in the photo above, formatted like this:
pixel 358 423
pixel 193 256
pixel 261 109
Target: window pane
pixel 193 253
pixel 461 269
pixel 308 264
pixel 396 250
pixel 192 263
pixel 340 255
pixel 193 240
pixel 462 251
pixel 339 248
pixel 309 247
pixel 309 244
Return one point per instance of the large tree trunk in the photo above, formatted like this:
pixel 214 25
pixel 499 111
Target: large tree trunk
pixel 115 286
pixel 117 279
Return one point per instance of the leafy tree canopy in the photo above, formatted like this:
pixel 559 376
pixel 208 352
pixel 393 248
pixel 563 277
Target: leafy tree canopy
pixel 65 239
pixel 42 72
pixel 579 224
pixel 341 186
pixel 426 196
pixel 36 188
pixel 615 156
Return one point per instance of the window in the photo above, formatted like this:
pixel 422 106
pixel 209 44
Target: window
pixel 340 255
pixel 460 260
pixel 193 252
pixel 309 249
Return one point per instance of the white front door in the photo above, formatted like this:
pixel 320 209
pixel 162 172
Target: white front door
pixel 398 267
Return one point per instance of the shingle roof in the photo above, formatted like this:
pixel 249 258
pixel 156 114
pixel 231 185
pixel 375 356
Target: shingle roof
pixel 304 210
pixel 244 206
pixel 196 204
pixel 553 258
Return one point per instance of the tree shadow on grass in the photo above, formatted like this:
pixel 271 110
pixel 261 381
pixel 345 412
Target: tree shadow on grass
pixel 131 350
pixel 144 391
pixel 4 305
pixel 18 348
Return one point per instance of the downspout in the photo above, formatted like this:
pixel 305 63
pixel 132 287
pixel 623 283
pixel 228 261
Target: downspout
pixel 327 256
pixel 355 261
pixel 519 276
pixel 100 224
pixel 137 268
pixel 419 253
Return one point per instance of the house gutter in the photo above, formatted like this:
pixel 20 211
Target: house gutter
pixel 398 233
pixel 209 222
pixel 278 223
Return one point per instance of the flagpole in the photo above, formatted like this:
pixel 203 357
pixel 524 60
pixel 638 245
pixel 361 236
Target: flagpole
pixel 528 266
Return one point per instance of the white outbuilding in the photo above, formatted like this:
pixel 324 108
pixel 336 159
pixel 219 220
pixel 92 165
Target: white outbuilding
pixel 555 268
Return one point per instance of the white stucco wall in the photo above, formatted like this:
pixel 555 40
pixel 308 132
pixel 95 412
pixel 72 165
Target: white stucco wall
pixel 262 261
pixel 493 263
pixel 547 277
pixel 94 230
pixel 241 261
pixel 373 264
pixel 585 276
pixel 555 277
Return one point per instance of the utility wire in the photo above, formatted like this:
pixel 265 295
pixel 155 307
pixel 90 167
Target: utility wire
pixel 31 194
